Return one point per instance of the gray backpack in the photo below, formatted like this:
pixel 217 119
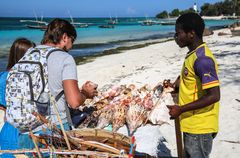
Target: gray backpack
pixel 27 89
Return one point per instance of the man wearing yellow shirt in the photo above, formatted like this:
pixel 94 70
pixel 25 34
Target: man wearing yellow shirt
pixel 199 91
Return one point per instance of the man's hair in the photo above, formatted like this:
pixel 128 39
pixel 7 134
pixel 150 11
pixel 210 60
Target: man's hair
pixel 191 21
pixel 56 29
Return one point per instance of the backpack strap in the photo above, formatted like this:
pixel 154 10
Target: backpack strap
pixel 53 50
pixel 35 50
pixel 49 53
pixel 59 95
pixel 66 107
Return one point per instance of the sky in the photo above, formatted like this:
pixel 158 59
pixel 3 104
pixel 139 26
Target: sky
pixel 93 8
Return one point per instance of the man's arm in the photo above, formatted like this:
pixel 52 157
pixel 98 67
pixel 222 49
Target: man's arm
pixel 72 93
pixel 176 85
pixel 212 96
pixel 76 97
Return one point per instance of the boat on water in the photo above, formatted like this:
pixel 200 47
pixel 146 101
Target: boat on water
pixel 35 24
pixel 79 24
pixel 106 26
pixel 148 22
pixel 37 27
pixel 168 22
pixel 112 21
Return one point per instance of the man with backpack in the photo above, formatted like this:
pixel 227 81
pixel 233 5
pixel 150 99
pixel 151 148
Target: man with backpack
pixel 62 68
pixel 45 72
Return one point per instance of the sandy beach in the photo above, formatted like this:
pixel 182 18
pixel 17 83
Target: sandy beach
pixel 154 63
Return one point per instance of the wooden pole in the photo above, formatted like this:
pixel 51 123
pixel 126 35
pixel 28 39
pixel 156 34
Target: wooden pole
pixel 35 144
pixel 60 122
pixel 179 139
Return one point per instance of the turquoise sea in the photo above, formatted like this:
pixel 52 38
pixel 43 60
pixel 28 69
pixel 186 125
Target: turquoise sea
pixel 93 40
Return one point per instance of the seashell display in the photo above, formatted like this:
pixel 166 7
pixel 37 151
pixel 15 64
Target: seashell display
pixel 129 105
pixel 136 116
pixel 160 113
pixel 119 117
pixel 105 117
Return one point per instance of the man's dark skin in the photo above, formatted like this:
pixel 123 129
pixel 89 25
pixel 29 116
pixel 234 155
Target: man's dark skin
pixel 192 41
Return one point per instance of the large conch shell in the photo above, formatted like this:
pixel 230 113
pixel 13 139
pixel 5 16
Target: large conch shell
pixel 119 117
pixel 136 116
pixel 105 117
pixel 160 113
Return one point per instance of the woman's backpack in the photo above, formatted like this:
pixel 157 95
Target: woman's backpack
pixel 27 89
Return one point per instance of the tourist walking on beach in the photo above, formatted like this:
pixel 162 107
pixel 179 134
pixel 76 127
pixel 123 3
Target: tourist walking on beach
pixel 9 134
pixel 199 91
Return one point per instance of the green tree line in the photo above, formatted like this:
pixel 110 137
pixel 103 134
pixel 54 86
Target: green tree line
pixel 227 7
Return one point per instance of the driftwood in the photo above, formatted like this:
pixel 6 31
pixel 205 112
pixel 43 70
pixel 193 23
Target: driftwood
pixel 103 141
pixel 100 133
pixel 116 140
pixel 66 152
pixel 94 144
pixel 81 143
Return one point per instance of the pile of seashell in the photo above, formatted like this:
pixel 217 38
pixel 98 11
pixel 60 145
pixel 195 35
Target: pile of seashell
pixel 120 105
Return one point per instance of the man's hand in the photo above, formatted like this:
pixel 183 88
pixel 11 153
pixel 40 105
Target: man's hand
pixel 89 89
pixel 174 111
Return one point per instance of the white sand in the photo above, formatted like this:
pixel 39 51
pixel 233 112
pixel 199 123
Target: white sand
pixel 152 64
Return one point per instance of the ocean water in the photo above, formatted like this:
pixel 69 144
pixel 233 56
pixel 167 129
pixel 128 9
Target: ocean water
pixel 128 31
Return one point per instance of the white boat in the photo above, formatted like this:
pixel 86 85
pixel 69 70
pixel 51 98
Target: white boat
pixel 168 22
pixel 113 21
pixel 77 24
pixel 106 26
pixel 35 24
pixel 148 22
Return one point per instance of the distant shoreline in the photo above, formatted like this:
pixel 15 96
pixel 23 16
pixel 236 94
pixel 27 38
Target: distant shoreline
pixel 222 17
pixel 86 59
pixel 107 48
pixel 84 52
pixel 90 58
